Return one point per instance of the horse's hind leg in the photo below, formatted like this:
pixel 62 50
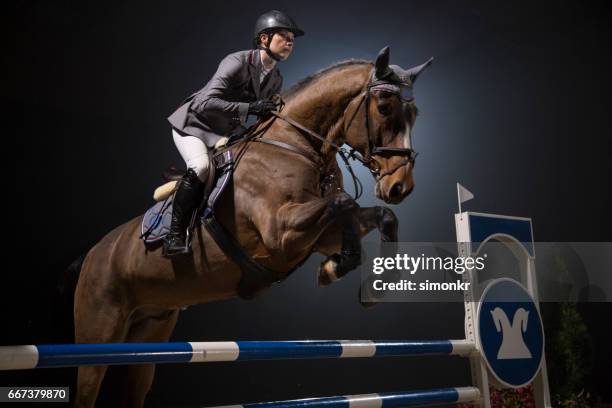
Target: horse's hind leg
pixel 99 317
pixel 103 326
pixel 140 377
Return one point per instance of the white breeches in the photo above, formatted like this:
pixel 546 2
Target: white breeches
pixel 194 152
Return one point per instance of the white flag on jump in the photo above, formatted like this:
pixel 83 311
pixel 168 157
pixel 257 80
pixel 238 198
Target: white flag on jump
pixel 463 195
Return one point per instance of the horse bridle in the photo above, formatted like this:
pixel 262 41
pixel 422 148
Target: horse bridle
pixel 368 160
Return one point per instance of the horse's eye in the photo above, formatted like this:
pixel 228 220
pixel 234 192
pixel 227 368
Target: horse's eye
pixel 384 109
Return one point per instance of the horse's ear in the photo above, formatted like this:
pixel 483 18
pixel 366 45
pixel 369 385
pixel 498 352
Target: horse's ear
pixel 382 62
pixel 414 72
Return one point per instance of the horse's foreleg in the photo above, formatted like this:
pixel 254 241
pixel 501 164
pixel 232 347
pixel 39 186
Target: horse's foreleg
pixel 381 218
pixel 386 222
pixel 339 236
pixel 335 226
pixel 303 224
pixel 348 258
pixel 387 225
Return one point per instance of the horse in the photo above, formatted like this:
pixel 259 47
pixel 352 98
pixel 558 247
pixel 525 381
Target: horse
pixel 277 209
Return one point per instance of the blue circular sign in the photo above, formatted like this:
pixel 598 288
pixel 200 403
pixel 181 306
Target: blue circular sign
pixel 510 333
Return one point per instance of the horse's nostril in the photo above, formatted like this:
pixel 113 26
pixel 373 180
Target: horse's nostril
pixel 396 191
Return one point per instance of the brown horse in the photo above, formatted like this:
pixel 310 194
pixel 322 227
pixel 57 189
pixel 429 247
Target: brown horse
pixel 277 210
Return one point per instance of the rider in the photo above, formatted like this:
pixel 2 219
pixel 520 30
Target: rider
pixel 242 85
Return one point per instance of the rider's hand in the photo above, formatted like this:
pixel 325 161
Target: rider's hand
pixel 261 107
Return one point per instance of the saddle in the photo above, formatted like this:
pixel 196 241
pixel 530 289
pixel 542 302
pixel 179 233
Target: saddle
pixel 156 221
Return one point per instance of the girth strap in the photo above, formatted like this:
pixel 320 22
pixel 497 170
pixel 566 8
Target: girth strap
pixel 255 276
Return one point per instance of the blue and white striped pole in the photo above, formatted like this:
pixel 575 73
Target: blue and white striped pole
pixel 74 355
pixel 382 400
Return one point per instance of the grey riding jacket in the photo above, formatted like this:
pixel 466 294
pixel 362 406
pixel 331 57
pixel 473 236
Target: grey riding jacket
pixel 221 107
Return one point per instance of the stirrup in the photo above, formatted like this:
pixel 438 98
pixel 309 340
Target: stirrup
pixel 186 250
pixel 167 252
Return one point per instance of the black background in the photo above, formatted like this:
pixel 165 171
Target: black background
pixel 516 107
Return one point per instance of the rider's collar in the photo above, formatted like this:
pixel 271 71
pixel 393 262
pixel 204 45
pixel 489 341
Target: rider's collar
pixel 263 65
pixel 269 52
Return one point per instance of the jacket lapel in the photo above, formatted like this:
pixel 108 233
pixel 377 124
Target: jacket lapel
pixel 254 65
pixel 269 81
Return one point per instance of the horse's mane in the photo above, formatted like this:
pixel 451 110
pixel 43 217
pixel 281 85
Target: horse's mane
pixel 288 94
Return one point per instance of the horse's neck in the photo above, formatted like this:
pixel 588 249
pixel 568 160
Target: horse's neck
pixel 320 107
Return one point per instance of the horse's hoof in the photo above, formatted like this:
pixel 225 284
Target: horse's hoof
pixel 368 303
pixel 388 225
pixel 343 202
pixel 328 271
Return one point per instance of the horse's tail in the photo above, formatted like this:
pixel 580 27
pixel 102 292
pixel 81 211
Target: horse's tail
pixel 66 287
pixel 67 284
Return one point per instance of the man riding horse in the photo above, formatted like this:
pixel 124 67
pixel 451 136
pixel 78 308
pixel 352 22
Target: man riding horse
pixel 243 85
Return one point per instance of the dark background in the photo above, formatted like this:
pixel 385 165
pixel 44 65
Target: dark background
pixel 516 107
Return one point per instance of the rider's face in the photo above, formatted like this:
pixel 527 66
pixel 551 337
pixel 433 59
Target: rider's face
pixel 282 43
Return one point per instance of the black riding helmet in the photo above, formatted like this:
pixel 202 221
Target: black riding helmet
pixel 271 21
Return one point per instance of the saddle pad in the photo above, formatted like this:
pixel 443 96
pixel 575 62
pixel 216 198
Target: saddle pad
pixel 156 221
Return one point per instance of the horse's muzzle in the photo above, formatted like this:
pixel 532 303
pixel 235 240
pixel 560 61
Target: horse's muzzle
pixel 395 194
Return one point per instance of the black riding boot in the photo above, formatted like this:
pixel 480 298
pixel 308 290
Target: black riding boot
pixel 186 199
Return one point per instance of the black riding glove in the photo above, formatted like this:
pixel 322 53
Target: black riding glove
pixel 261 107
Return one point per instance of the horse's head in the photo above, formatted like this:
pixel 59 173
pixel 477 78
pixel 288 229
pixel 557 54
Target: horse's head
pixel 379 123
